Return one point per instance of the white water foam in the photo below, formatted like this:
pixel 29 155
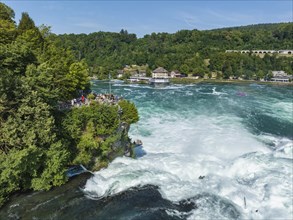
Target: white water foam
pixel 218 93
pixel 234 166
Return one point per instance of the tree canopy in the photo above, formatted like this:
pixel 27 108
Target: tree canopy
pixel 185 50
pixel 39 140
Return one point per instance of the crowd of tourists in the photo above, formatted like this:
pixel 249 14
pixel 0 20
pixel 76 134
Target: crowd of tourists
pixel 107 98
pixel 80 101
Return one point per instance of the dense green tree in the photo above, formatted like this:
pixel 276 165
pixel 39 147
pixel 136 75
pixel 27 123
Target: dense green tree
pixel 93 129
pixel 7 24
pixel 78 76
pixel 35 74
pixel 6 13
pixel 227 70
pixel 260 74
pixel 16 56
pixel 26 23
pixel 129 112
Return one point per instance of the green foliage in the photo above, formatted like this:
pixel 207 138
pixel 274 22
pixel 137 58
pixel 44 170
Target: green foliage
pixel 35 75
pixel 26 23
pixel 87 144
pixel 37 140
pixel 7 24
pixel 106 146
pixel 185 50
pixel 33 39
pixel 15 167
pixel 54 163
pixel 7 31
pixel 104 118
pixel 6 13
pixel 89 126
pixel 244 65
pixel 91 96
pixel 16 57
pixel 95 129
pixel 129 112
pixel 30 124
pixel 64 72
pixel 78 76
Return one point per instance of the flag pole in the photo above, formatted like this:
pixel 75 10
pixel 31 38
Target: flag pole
pixel 110 83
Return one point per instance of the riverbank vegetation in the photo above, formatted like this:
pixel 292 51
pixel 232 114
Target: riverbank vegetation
pixel 192 52
pixel 38 141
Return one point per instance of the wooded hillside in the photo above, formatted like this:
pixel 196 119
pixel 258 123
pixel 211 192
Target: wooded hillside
pixel 186 50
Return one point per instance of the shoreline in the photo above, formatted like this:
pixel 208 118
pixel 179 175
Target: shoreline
pixel 198 81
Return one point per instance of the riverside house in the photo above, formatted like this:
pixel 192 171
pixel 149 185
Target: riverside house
pixel 160 75
pixel 280 76
pixel 120 73
pixel 175 74
pixel 139 73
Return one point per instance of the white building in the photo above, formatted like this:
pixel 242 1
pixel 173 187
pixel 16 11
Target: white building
pixel 175 74
pixel 280 76
pixel 279 73
pixel 159 75
pixel 120 73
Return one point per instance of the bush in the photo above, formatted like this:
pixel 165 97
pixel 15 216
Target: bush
pixel 129 112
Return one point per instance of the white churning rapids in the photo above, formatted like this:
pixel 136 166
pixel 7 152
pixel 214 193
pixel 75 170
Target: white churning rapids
pixel 205 130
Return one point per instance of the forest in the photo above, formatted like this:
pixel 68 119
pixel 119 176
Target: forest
pixel 189 51
pixel 38 139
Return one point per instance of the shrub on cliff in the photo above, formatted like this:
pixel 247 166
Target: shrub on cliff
pixel 93 129
pixel 129 112
pixel 87 127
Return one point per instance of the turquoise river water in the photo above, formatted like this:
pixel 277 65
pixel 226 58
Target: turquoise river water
pixel 210 151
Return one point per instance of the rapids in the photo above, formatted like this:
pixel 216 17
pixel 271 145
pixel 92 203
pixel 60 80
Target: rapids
pixel 209 153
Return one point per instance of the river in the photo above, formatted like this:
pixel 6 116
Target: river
pixel 210 151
